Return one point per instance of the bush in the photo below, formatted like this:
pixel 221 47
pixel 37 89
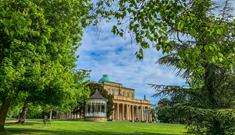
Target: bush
pixel 209 121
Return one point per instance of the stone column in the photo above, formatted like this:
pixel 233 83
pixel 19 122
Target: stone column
pixel 142 113
pixel 91 109
pixel 123 108
pixel 117 111
pixel 105 108
pixel 127 114
pixel 150 115
pixel 100 107
pixel 132 112
pixel 137 112
pixel 145 113
pixel 147 116
pixel 114 109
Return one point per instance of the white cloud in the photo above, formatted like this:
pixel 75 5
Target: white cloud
pixel 104 53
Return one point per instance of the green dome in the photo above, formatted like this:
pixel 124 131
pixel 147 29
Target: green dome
pixel 105 78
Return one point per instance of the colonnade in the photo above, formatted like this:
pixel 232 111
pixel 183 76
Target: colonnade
pixel 131 112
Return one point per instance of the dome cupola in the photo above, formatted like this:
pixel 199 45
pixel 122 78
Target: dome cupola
pixel 105 78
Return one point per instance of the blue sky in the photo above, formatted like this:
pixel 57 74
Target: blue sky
pixel 104 53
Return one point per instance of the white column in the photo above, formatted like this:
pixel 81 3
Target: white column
pixel 105 108
pixel 100 107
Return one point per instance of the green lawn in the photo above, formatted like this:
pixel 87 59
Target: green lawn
pixel 93 128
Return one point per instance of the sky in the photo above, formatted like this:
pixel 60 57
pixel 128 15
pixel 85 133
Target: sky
pixel 104 53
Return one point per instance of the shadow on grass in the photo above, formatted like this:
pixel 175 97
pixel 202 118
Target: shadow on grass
pixel 26 123
pixel 17 131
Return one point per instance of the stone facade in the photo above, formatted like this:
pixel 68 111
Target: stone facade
pixel 125 106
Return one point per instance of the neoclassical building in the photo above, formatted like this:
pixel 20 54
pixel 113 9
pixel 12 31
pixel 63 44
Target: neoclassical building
pixel 126 107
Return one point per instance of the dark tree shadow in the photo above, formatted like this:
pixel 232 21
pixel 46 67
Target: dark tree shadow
pixel 26 123
pixel 16 131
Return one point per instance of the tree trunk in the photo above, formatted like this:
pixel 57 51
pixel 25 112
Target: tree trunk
pixel 50 117
pixel 209 84
pixel 23 113
pixel 3 112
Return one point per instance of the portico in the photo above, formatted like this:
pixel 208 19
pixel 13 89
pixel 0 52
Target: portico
pixel 125 106
pixel 131 111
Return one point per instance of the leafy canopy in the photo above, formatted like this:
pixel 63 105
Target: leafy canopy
pixel 37 49
pixel 194 30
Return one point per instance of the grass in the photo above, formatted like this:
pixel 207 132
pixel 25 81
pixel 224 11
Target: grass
pixel 93 128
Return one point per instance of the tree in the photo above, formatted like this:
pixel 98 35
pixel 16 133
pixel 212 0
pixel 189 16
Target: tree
pixel 165 109
pixel 22 115
pixel 82 93
pixel 194 110
pixel 198 35
pixel 37 49
pixel 78 91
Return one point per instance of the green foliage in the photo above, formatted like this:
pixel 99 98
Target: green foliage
pixel 166 111
pixel 189 107
pixel 14 111
pixel 37 50
pixel 192 108
pixel 78 92
pixel 208 121
pixel 196 37
pixel 192 30
pixel 165 114
pixel 34 112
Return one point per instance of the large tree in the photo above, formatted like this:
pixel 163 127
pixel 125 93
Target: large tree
pixel 191 106
pixel 198 34
pixel 37 49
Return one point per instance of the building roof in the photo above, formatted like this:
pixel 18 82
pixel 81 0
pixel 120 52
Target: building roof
pixel 97 95
pixel 105 78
